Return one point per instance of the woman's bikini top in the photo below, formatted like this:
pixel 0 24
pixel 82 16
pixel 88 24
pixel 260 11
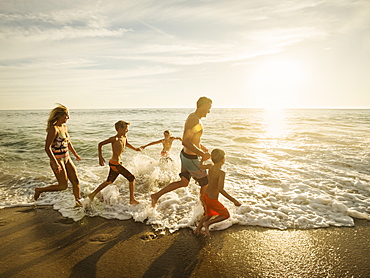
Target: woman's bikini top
pixel 60 143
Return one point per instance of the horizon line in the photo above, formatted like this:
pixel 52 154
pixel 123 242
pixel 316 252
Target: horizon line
pixel 216 107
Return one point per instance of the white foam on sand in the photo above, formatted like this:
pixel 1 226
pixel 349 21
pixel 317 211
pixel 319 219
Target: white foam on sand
pixel 305 204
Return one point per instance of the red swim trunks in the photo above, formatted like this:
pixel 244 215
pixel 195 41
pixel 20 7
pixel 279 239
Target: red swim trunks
pixel 214 207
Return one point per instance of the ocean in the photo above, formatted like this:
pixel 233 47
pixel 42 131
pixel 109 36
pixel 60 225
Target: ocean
pixel 304 168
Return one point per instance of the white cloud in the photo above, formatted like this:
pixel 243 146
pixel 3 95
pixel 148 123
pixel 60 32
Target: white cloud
pixel 56 26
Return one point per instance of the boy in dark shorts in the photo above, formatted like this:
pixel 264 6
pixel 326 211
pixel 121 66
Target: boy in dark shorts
pixel 118 142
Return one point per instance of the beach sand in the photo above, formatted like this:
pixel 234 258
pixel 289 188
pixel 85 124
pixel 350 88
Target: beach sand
pixel 42 243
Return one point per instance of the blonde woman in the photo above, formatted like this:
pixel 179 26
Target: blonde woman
pixel 57 147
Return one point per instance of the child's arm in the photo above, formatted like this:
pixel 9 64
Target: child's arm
pixel 152 143
pixel 100 145
pixel 132 147
pixel 177 138
pixel 221 183
pixel 70 147
pixel 205 166
pixel 236 202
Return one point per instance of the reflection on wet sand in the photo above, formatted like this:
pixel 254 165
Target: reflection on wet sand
pixel 261 252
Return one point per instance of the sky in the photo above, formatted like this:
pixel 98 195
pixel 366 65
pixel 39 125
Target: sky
pixel 156 54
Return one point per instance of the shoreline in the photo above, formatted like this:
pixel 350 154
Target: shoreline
pixel 40 242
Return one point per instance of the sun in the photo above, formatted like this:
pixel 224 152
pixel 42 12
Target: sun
pixel 277 83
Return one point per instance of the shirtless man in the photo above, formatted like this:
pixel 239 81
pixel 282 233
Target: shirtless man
pixel 166 142
pixel 192 153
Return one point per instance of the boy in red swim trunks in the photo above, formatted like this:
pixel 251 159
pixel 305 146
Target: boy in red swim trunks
pixel 119 142
pixel 210 198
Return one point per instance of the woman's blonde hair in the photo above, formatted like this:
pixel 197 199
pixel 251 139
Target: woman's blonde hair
pixel 55 115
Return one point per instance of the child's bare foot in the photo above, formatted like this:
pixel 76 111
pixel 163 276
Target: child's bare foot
pixel 197 231
pixel 134 202
pixel 206 228
pixel 37 194
pixel 78 203
pixel 154 200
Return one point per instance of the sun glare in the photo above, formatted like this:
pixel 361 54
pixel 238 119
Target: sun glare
pixel 277 83
pixel 274 122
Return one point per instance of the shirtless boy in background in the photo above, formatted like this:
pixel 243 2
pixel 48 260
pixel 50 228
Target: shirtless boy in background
pixel 166 142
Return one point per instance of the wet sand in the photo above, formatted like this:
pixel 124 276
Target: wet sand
pixel 41 243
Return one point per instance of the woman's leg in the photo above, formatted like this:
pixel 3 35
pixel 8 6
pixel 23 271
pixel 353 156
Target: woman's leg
pixel 73 178
pixel 62 179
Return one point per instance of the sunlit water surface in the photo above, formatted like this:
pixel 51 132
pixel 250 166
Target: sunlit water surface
pixel 290 169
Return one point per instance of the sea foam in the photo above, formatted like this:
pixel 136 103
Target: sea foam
pixel 301 169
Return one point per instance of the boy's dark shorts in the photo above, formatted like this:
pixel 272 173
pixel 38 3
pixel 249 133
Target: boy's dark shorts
pixel 116 169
